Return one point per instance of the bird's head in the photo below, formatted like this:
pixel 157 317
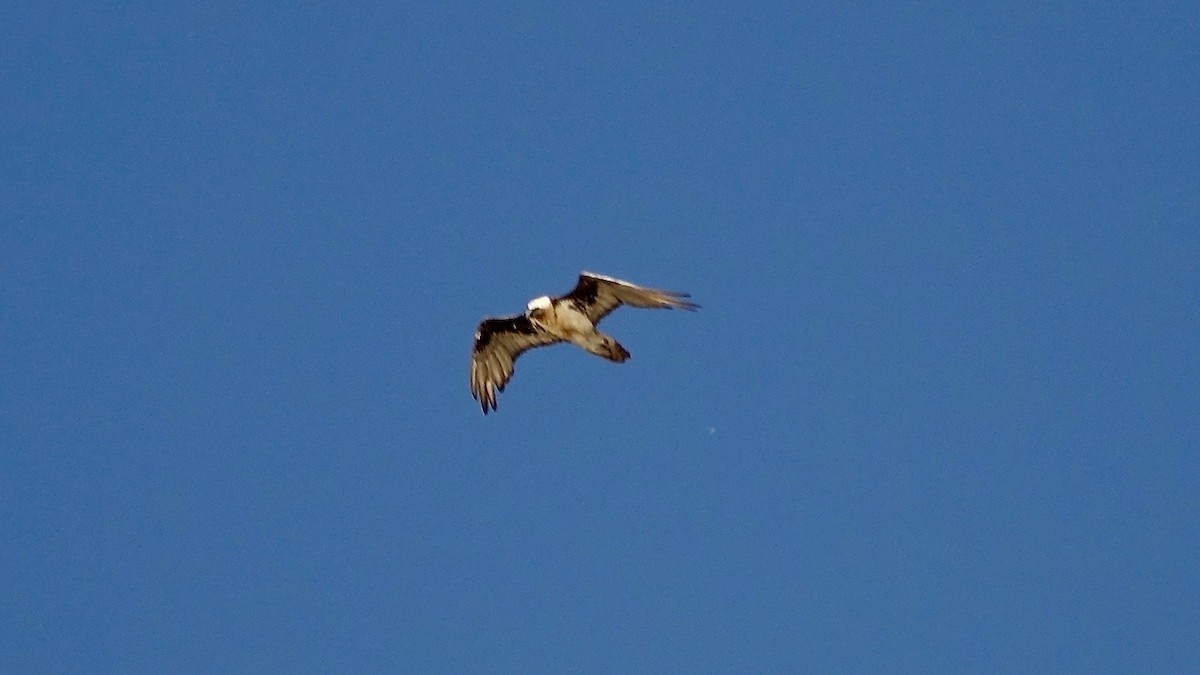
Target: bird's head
pixel 537 304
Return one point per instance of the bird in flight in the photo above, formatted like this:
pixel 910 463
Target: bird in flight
pixel 567 318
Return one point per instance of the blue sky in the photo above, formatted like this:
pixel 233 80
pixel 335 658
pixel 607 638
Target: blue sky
pixel 939 412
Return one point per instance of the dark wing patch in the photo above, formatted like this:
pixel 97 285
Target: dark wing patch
pixel 498 343
pixel 597 296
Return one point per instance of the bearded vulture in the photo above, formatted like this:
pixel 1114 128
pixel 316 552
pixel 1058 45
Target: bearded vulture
pixel 567 318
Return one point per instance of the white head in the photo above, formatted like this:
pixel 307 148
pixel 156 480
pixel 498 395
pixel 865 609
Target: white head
pixel 542 302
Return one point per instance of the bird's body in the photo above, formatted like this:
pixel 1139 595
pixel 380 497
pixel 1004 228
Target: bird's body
pixel 568 318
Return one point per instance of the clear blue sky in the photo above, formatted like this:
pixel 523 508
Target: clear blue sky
pixel 940 411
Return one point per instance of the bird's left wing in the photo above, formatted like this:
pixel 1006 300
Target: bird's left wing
pixel 498 343
pixel 597 296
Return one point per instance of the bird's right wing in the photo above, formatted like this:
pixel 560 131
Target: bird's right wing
pixel 498 343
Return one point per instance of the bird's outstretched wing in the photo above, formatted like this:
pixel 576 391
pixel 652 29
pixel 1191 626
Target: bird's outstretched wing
pixel 597 296
pixel 498 343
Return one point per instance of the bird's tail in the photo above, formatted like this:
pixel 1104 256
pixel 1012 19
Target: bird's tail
pixel 608 348
pixel 617 352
